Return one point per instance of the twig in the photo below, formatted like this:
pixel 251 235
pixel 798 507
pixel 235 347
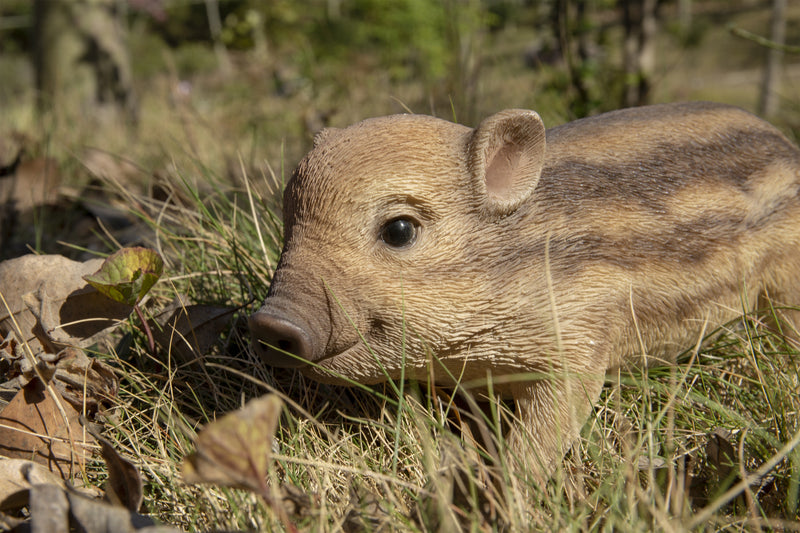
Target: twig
pixel 151 341
pixel 763 41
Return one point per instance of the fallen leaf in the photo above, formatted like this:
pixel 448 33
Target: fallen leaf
pixel 32 427
pixel 17 476
pixel 190 330
pixel 107 166
pixel 49 509
pixel 10 523
pixel 49 305
pixel 93 516
pixel 127 274
pixel 721 458
pixel 124 485
pixel 55 508
pixel 32 183
pixel 236 450
pixel 85 382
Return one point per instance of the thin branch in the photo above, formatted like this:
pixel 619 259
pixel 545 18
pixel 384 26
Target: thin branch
pixel 763 41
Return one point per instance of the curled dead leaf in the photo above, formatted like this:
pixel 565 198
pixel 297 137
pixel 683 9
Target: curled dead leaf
pixel 86 383
pixel 236 450
pixel 30 182
pixel 53 506
pixel 49 506
pixel 124 485
pixel 189 331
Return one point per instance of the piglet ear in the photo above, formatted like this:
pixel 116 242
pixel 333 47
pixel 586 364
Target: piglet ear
pixel 506 156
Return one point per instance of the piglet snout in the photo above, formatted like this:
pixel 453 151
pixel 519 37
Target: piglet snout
pixel 279 341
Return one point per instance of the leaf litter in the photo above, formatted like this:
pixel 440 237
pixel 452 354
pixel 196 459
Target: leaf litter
pixel 51 310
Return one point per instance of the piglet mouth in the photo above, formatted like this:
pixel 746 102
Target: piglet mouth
pixel 281 342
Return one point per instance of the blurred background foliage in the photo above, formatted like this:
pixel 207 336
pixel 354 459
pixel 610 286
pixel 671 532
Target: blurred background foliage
pixel 157 81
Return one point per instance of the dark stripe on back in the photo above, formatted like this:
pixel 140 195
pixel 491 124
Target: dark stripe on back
pixel 649 179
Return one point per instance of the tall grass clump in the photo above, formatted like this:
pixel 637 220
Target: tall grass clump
pixel 662 451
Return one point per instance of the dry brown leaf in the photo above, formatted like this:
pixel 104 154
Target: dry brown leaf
pixel 10 349
pixel 124 485
pixel 49 509
pixel 33 427
pixel 33 183
pixel 107 166
pixel 721 457
pixel 98 517
pixel 190 330
pixel 85 382
pixel 47 302
pixel 54 508
pixel 10 523
pixel 19 475
pixel 236 450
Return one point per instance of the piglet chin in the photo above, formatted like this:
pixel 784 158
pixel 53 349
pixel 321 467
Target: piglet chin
pixel 355 365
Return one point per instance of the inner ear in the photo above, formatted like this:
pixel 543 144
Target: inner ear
pixel 506 158
pixel 500 169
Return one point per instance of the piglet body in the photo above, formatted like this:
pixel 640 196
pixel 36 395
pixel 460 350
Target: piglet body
pixel 538 260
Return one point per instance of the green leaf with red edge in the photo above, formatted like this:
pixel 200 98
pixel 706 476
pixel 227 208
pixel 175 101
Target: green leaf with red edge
pixel 127 274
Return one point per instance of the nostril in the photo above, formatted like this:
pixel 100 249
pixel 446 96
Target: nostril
pixel 280 341
pixel 286 346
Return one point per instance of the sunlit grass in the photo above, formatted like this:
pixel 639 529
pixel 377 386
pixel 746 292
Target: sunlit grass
pixel 642 463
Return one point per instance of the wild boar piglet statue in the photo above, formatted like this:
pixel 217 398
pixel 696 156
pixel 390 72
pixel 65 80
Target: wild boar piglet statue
pixel 536 259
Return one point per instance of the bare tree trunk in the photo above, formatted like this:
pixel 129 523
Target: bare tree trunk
pixel 770 83
pixel 639 20
pixel 81 59
pixel 570 20
pixel 215 27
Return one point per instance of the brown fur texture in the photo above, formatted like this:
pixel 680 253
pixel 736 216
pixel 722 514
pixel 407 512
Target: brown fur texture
pixel 539 261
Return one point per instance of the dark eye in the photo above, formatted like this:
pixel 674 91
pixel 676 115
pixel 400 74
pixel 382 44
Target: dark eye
pixel 399 232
